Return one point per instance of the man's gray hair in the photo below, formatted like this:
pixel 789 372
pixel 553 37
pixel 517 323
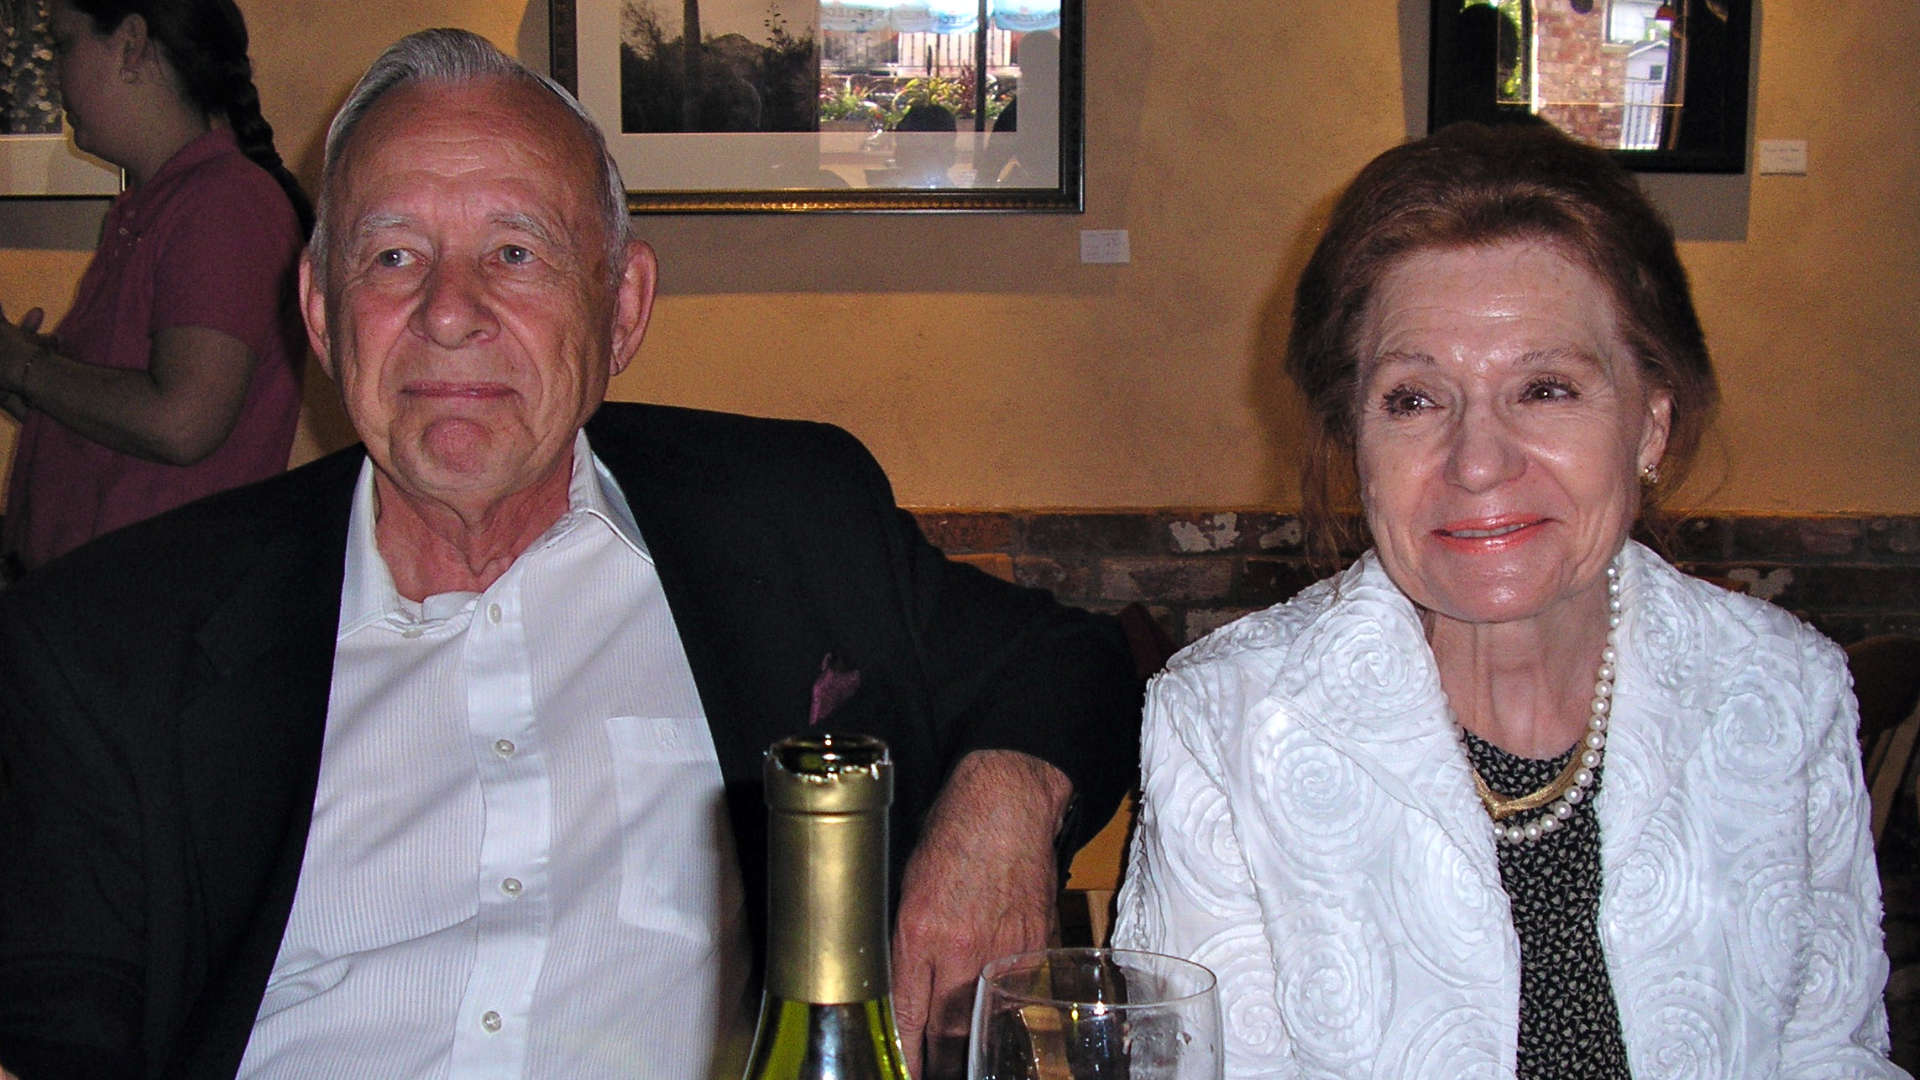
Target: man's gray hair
pixel 450 57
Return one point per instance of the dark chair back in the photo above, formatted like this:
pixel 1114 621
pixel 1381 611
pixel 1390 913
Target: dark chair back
pixel 1886 682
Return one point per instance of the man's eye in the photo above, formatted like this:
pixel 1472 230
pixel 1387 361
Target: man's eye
pixel 394 258
pixel 515 255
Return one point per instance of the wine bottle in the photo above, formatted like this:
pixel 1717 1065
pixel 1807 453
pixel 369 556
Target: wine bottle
pixel 826 1013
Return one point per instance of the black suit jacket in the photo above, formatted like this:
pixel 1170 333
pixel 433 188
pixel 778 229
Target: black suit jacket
pixel 163 693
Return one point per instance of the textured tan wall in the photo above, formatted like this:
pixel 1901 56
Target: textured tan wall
pixel 986 367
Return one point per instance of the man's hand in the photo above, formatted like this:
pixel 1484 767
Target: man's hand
pixel 981 884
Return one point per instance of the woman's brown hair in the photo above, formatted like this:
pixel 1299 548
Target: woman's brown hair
pixel 1471 185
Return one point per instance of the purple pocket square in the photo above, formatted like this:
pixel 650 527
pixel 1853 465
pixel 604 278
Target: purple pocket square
pixel 835 684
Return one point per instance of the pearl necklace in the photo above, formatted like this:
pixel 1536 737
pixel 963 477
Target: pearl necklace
pixel 1575 782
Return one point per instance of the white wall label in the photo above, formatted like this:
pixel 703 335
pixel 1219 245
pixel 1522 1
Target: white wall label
pixel 1104 246
pixel 1782 157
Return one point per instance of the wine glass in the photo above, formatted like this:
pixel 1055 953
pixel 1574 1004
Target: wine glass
pixel 1095 1014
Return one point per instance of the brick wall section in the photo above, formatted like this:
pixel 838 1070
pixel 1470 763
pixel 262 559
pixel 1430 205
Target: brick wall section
pixel 1195 570
pixel 1577 65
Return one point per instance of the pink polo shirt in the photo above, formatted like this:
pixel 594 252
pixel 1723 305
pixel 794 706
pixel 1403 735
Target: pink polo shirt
pixel 209 241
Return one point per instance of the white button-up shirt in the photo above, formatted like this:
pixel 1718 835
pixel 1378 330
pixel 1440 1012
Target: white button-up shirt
pixel 520 863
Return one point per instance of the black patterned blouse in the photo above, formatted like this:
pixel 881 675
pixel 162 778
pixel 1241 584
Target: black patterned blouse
pixel 1569 1023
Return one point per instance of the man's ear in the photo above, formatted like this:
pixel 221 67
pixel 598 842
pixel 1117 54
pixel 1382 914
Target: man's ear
pixel 633 304
pixel 313 307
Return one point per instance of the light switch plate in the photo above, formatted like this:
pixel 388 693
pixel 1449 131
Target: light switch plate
pixel 1104 246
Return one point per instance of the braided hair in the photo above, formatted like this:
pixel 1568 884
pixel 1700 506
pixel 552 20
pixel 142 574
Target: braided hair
pixel 205 42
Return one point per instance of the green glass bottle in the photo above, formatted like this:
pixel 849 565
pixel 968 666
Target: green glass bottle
pixel 826 1012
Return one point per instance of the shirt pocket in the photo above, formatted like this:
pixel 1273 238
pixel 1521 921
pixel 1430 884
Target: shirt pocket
pixel 676 846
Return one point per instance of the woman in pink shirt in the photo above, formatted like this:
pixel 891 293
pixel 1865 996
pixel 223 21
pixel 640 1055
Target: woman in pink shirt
pixel 176 372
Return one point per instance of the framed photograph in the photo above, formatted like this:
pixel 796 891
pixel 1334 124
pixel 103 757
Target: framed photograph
pixel 1663 85
pixel 36 157
pixel 832 105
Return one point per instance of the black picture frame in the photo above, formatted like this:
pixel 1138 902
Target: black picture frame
pixel 1696 121
pixel 586 59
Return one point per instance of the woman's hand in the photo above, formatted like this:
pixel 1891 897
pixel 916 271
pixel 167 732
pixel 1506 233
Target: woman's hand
pixel 18 343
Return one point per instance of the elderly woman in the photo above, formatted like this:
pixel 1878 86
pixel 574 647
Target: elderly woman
pixel 1511 795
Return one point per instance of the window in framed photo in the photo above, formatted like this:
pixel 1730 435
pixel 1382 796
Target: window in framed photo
pixel 1664 85
pixel 834 105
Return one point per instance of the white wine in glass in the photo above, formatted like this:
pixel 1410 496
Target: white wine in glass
pixel 1095 1014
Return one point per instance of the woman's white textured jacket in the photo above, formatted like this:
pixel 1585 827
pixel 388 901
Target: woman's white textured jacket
pixel 1310 832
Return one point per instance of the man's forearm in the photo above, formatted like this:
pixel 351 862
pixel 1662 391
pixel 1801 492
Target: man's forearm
pixel 1032 793
pixel 981 884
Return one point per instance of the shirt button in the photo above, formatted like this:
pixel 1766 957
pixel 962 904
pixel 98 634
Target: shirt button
pixel 510 886
pixel 412 632
pixel 493 613
pixel 504 747
pixel 490 1020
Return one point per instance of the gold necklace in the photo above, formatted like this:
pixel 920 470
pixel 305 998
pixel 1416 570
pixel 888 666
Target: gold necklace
pixel 1500 808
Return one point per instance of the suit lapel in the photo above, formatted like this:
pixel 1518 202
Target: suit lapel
pixel 267 659
pixel 735 606
pixel 250 735
pixel 715 575
pixel 266 647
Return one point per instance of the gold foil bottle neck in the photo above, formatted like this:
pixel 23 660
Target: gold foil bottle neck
pixel 827 799
pixel 829 774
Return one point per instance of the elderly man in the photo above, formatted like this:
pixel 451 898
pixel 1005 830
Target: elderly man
pixel 433 758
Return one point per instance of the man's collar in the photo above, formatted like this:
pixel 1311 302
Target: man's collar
pixel 602 497
pixel 367 591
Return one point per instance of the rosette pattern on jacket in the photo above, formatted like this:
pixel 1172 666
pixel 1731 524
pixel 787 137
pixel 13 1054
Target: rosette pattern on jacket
pixel 1311 833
